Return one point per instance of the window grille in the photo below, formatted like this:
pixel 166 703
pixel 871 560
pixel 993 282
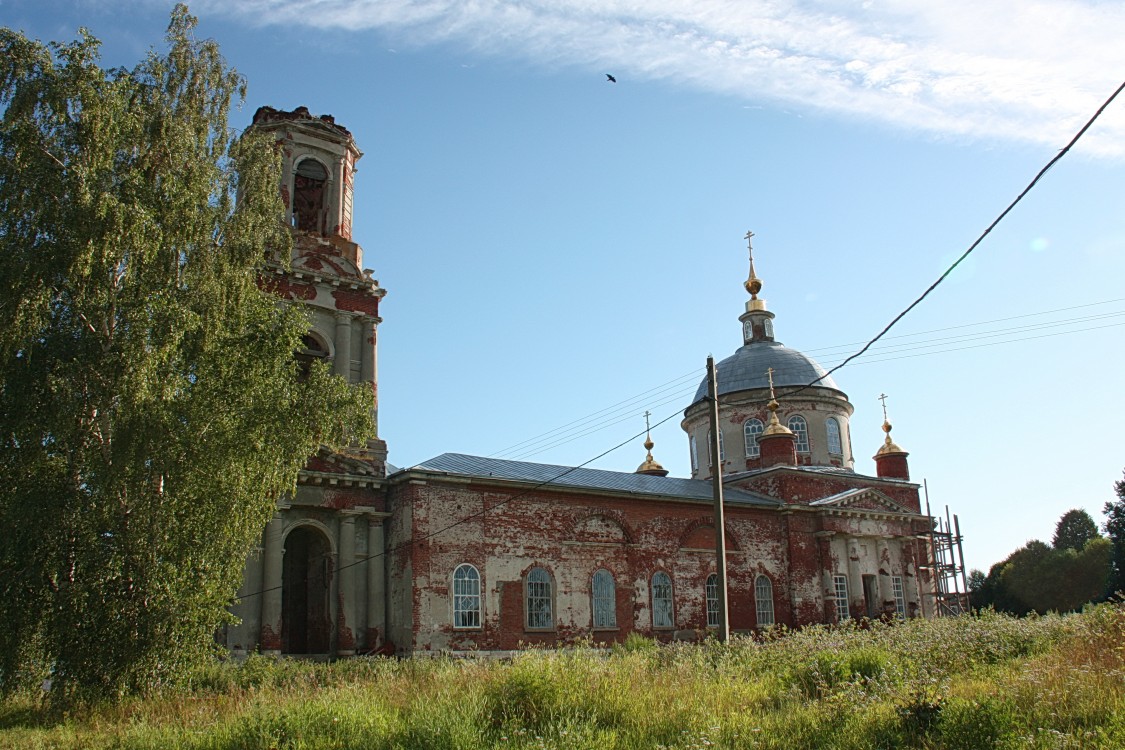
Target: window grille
pixel 466 597
pixel 539 599
pixel 605 600
pixel 662 601
pixel 763 601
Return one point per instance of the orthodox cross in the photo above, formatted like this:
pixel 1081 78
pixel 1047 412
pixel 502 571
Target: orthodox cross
pixel 647 428
pixel 750 245
pixel 883 398
pixel 769 373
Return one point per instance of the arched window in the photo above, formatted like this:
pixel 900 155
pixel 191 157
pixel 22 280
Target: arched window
pixel 604 596
pixel 538 600
pixel 694 453
pixel 799 427
pixel 662 616
pixel 763 601
pixel 308 196
pixel 311 350
pixel 466 597
pixel 752 429
pixel 712 591
pixel 835 446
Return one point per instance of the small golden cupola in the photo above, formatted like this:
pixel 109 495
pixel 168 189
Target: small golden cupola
pixel 650 466
pixel 777 443
pixel 890 459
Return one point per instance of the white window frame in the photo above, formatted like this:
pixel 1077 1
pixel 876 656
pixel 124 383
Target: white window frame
pixel 900 596
pixel 750 432
pixel 466 597
pixel 843 602
pixel 603 600
pixel 538 600
pixel 763 601
pixel 711 597
pixel 799 426
pixel 694 444
pixel 663 604
pixel 835 438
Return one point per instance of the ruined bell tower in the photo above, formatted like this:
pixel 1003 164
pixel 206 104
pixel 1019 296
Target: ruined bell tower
pixel 316 585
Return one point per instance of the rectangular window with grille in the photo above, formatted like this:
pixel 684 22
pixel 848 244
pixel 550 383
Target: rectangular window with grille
pixel 712 601
pixel 604 600
pixel 539 600
pixel 900 597
pixel 662 601
pixel 840 586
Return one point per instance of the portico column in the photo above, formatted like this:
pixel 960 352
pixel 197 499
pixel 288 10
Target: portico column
pixel 367 363
pixel 855 576
pixel 376 583
pixel 249 607
pixel 345 638
pixel 886 590
pixel 270 642
pixel 342 365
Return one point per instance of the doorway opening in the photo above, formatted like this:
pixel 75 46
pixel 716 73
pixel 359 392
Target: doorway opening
pixel 306 577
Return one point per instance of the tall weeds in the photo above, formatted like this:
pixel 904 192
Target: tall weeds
pixel 987 681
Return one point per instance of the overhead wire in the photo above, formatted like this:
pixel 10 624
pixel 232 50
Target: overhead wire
pixel 1054 160
pixel 842 364
pixel 627 409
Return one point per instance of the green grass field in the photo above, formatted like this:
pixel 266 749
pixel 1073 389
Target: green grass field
pixel 974 682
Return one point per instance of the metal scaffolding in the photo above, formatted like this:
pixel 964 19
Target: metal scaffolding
pixel 951 588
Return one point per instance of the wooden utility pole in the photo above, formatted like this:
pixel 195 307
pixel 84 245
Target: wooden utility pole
pixel 720 520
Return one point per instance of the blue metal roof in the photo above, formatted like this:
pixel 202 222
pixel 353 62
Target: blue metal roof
pixel 746 369
pixel 459 464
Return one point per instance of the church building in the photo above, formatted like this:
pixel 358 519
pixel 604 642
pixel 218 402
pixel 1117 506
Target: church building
pixel 463 553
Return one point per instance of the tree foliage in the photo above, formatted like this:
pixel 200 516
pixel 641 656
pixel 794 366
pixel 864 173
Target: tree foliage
pixel 1074 529
pixel 150 408
pixel 1040 578
pixel 1115 528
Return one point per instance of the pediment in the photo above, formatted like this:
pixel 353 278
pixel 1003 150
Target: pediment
pixel 862 499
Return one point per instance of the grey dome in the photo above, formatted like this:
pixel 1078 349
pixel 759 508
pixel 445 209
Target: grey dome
pixel 746 369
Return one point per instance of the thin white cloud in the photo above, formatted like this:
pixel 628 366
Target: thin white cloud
pixel 1025 70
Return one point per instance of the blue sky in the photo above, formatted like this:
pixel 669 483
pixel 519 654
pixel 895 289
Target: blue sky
pixel 558 249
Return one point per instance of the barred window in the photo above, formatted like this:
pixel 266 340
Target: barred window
pixel 835 445
pixel 604 594
pixel 712 591
pixel 466 597
pixel 662 616
pixel 752 429
pixel 840 586
pixel 799 427
pixel 900 597
pixel 763 601
pixel 539 599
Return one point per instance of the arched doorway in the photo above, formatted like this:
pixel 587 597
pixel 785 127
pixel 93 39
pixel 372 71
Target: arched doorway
pixel 306 622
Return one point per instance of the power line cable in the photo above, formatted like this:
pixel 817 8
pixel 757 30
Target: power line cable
pixel 977 242
pixel 612 416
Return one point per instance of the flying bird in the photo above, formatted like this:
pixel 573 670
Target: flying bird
pixel 610 78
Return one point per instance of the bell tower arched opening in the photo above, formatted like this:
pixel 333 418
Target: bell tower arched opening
pixel 306 580
pixel 309 183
